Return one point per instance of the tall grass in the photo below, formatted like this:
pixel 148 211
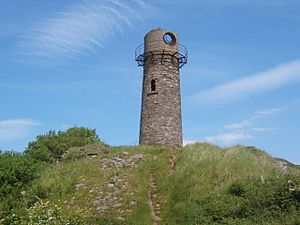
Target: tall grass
pixel 205 173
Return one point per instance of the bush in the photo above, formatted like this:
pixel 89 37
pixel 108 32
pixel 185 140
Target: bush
pixel 16 171
pixel 47 213
pixel 251 199
pixel 53 145
pixel 236 189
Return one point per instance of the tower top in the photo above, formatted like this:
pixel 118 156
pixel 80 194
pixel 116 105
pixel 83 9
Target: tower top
pixel 161 42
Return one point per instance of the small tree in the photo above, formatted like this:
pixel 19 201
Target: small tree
pixel 52 146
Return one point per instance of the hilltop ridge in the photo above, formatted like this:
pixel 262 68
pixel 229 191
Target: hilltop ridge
pixel 198 184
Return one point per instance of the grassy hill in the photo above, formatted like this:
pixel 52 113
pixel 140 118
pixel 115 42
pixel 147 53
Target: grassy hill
pixel 198 184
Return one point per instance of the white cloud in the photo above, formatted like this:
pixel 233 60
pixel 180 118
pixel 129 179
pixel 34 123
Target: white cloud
pixel 240 131
pixel 228 138
pixel 239 125
pixel 261 129
pixel 249 122
pixel 142 4
pixel 247 125
pixel 272 79
pixel 269 112
pixel 242 124
pixel 81 28
pixel 220 3
pixel 16 128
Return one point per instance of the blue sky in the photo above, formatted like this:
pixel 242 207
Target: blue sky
pixel 65 63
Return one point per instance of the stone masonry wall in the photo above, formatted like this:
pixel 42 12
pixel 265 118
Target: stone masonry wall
pixel 161 122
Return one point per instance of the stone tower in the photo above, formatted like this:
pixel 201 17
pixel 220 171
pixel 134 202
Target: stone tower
pixel 161 56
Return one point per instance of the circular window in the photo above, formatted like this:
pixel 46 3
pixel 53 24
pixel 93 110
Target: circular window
pixel 169 38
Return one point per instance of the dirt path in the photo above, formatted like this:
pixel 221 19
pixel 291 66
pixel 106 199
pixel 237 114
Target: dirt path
pixel 172 159
pixel 153 199
pixel 154 204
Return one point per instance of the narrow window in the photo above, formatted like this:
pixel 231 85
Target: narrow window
pixel 153 85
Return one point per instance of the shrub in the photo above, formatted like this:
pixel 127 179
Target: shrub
pixel 236 189
pixel 16 171
pixel 251 199
pixel 48 213
pixel 53 145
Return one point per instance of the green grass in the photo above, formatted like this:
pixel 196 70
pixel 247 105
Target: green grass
pixel 210 185
pixel 205 174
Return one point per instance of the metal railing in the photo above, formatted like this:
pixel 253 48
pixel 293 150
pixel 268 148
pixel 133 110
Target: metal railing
pixel 181 54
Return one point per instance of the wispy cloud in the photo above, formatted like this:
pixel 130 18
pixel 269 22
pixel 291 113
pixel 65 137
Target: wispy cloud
pixel 245 129
pixel 142 3
pixel 228 138
pixel 269 112
pixel 81 28
pixel 250 121
pixel 12 129
pixel 242 124
pixel 266 3
pixel 261 129
pixel 272 79
pixel 240 131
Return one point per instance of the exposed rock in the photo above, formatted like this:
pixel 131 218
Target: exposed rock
pixel 137 157
pixel 117 205
pixel 120 162
pixel 117 191
pixel 133 203
pixel 80 186
pixel 110 185
pixel 282 165
pixel 96 202
pixel 104 166
pixel 107 197
pixel 102 208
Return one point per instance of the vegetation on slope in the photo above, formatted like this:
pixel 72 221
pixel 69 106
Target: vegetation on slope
pixel 237 185
pixel 90 183
pixel 51 146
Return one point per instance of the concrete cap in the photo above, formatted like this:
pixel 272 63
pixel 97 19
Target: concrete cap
pixel 159 40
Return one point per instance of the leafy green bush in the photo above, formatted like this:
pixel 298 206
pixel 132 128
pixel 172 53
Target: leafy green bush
pixel 53 145
pixel 16 171
pixel 44 212
pixel 236 189
pixel 251 200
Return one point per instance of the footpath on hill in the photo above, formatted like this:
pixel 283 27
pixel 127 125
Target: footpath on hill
pixel 154 200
